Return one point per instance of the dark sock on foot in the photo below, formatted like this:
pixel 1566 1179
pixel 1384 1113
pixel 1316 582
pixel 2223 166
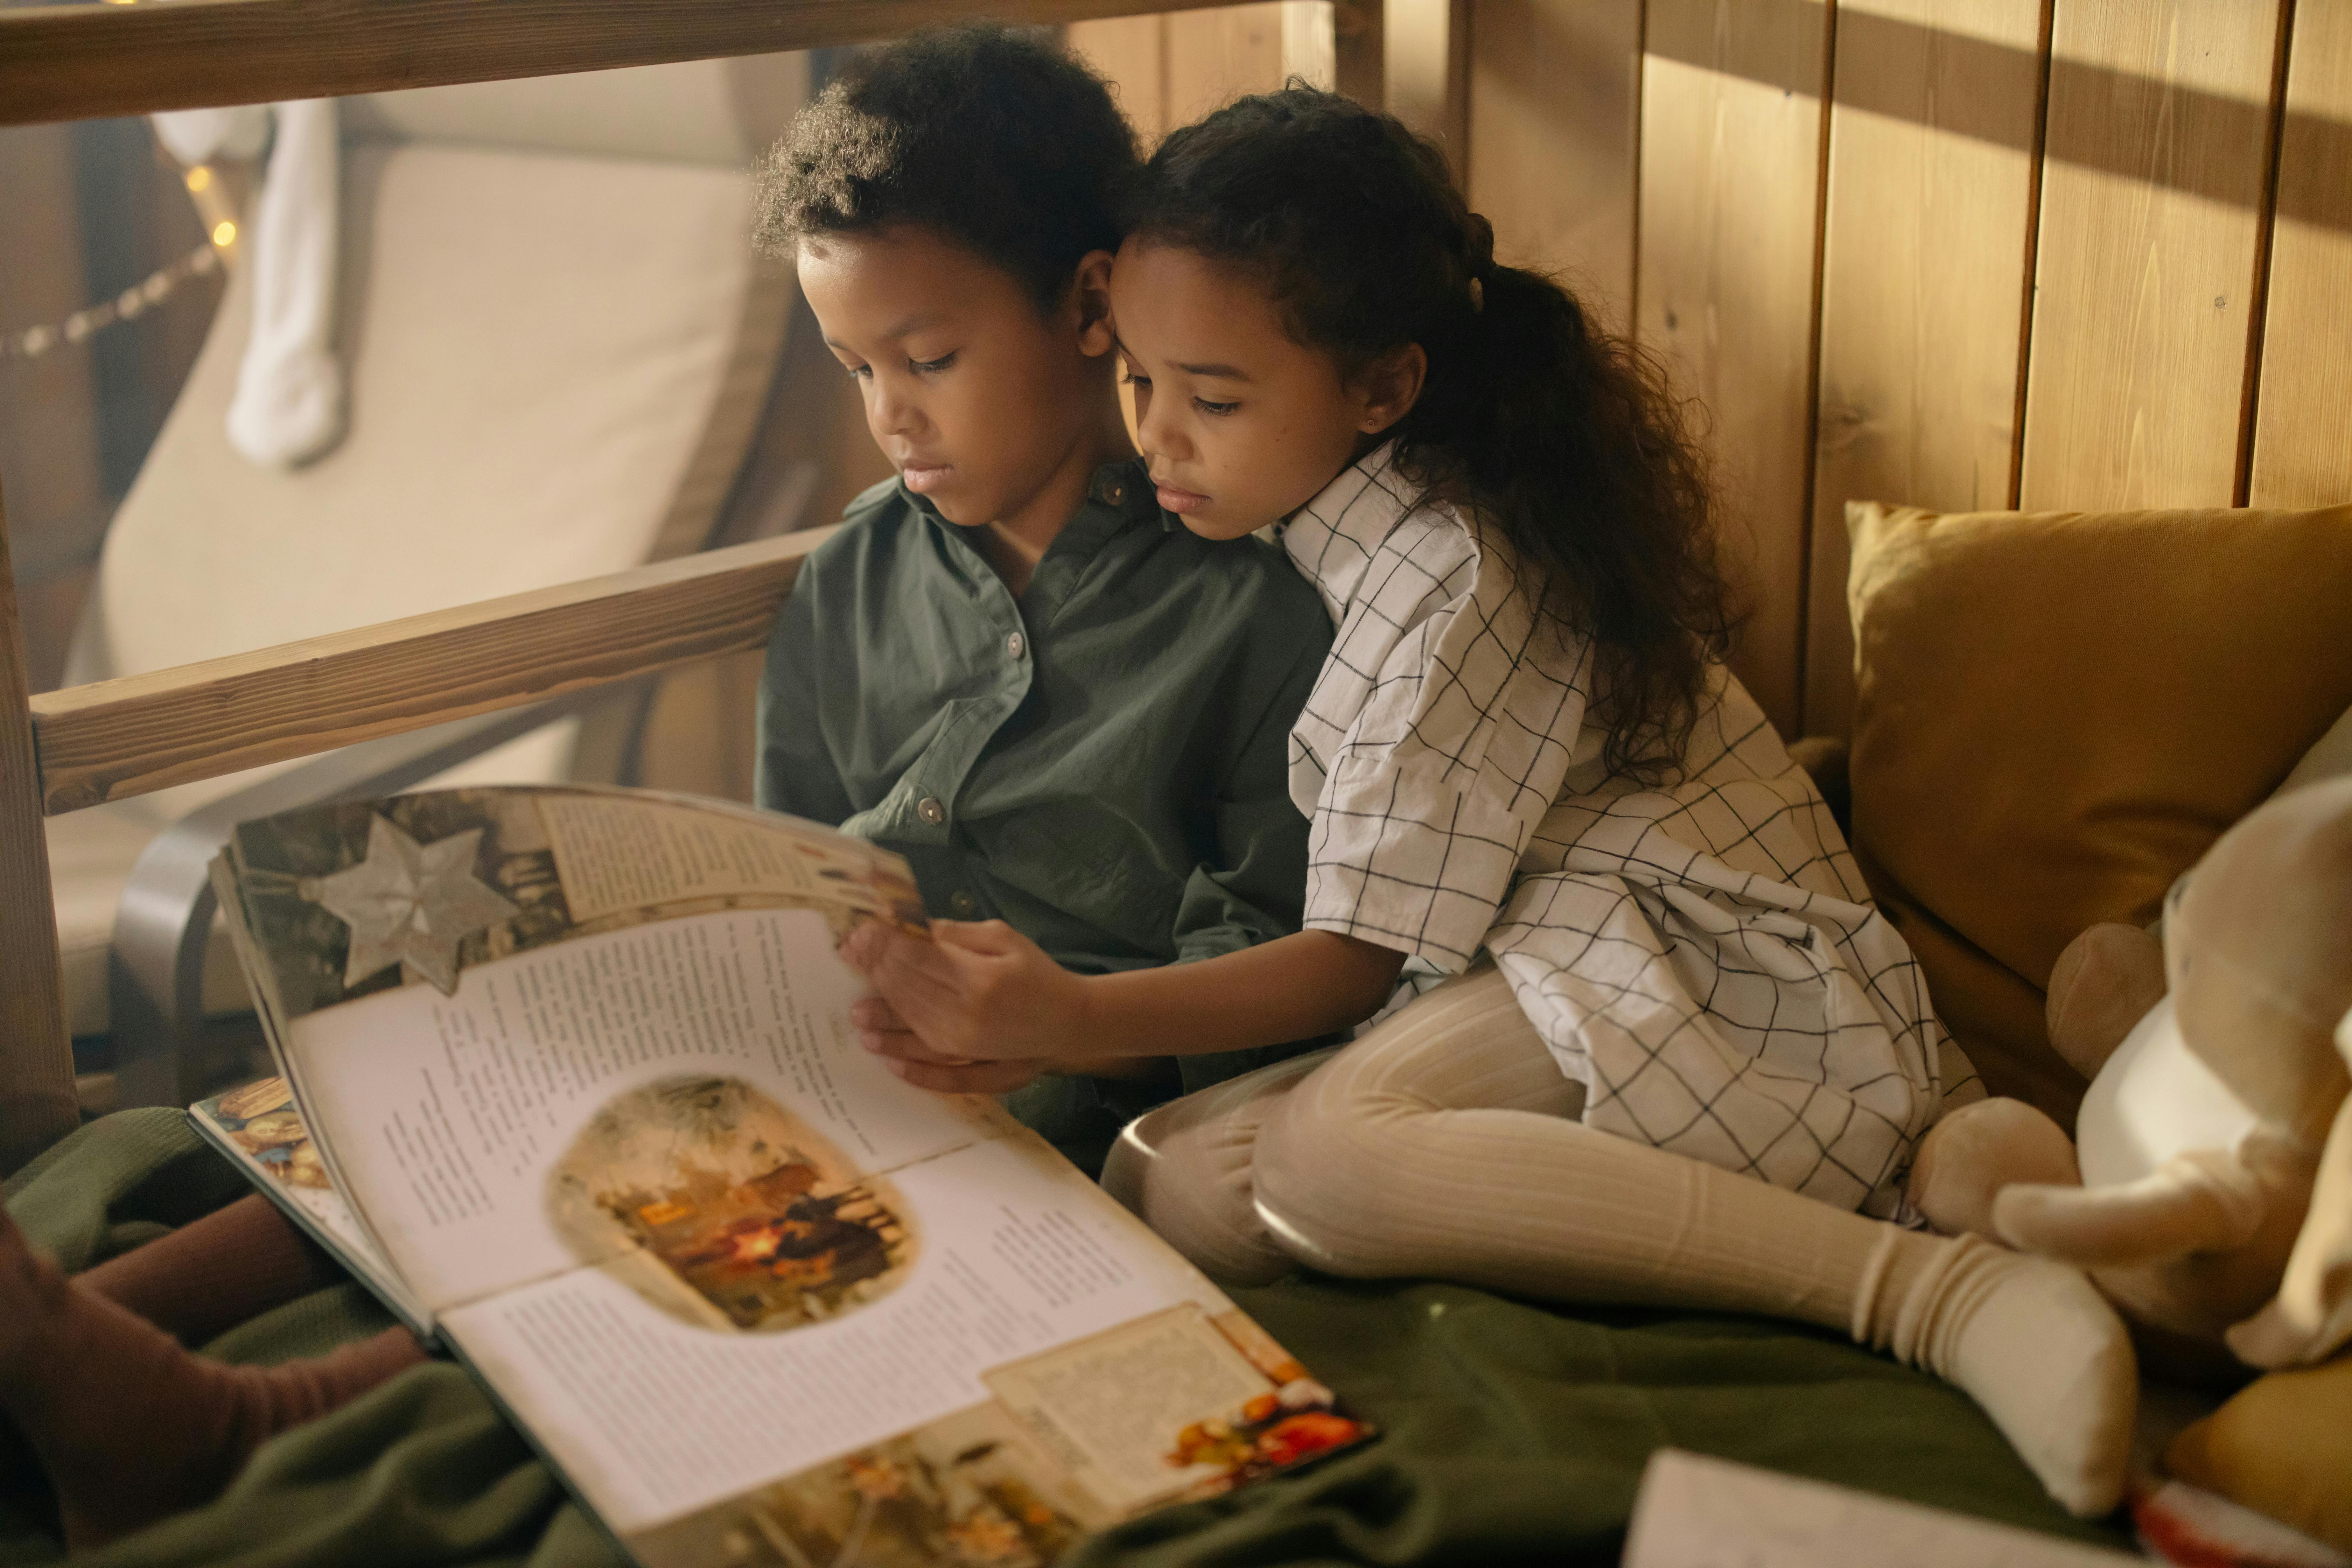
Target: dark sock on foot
pixel 207 1277
pixel 130 1425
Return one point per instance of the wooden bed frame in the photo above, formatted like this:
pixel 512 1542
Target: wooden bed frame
pixel 1971 254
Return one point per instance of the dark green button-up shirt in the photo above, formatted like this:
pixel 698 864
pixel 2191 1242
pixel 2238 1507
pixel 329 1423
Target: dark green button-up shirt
pixel 1101 761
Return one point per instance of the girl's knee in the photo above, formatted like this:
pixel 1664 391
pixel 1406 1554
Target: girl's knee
pixel 1191 1182
pixel 1144 1155
pixel 1324 1173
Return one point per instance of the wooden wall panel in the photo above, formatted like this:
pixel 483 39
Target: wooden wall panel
pixel 2152 194
pixel 2303 432
pixel 1554 129
pixel 1425 81
pixel 1310 44
pixel 1730 171
pixel 1171 68
pixel 1923 253
pixel 1131 54
pixel 1214 57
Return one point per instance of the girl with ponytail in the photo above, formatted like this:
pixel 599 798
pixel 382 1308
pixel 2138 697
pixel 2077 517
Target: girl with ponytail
pixel 1652 1044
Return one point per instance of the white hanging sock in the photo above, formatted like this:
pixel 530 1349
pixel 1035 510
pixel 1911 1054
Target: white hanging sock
pixel 288 405
pixel 200 135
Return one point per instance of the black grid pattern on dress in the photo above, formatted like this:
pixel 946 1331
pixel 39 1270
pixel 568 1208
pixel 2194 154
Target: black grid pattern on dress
pixel 1702 955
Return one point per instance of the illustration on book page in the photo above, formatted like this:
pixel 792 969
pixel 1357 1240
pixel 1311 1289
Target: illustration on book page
pixel 726 1210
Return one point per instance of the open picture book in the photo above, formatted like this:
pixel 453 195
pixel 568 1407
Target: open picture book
pixel 566 1076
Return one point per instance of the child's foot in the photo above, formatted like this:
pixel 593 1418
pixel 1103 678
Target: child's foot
pixel 212 1274
pixel 2028 1340
pixel 130 1425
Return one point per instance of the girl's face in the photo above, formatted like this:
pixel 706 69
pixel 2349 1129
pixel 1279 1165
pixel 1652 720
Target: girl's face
pixel 1242 425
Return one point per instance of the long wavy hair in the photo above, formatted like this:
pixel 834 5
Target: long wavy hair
pixel 1562 439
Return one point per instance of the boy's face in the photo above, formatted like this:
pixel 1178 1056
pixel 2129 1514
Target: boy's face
pixel 1242 425
pixel 976 395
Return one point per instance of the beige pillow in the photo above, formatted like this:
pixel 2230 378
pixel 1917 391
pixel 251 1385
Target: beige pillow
pixel 2056 713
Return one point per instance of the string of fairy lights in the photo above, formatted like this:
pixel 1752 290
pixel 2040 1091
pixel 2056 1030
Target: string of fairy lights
pixel 78 328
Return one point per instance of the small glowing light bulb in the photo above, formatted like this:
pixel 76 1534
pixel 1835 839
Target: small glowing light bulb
pixel 200 177
pixel 224 234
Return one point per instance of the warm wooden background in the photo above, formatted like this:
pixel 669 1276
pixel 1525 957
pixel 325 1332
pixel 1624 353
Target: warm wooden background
pixel 2060 254
pixel 2045 253
pixel 2056 254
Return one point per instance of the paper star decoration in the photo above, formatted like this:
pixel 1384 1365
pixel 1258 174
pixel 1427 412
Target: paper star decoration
pixel 411 903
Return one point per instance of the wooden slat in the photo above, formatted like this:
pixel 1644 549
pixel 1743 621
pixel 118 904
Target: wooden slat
pixel 1554 103
pixel 83 61
pixel 1426 78
pixel 2136 388
pixel 37 1089
pixel 1215 56
pixel 1310 47
pixel 118 738
pixel 2303 432
pixel 1923 283
pixel 1131 54
pixel 1359 49
pixel 1731 124
pixel 1168 70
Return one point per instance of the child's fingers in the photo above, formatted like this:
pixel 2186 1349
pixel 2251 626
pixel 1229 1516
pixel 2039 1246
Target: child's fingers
pixel 895 1045
pixel 863 946
pixel 874 1014
pixel 912 974
pixel 941 993
pixel 993 937
pixel 905 1045
pixel 977 1077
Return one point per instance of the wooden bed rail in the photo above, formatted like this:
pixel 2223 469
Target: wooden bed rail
pixel 113 738
pixel 81 62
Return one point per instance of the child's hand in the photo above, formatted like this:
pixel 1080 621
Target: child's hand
pixel 977 993
pixel 882 1032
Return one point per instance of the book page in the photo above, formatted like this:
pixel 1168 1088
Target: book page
pixel 469 1128
pixel 258 1126
pixel 580 1062
pixel 676 1428
pixel 335 903
pixel 616 853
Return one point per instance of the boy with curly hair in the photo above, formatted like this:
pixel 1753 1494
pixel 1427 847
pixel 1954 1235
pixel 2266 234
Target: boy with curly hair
pixel 1067 713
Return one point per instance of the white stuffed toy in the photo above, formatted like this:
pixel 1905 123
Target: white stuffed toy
pixel 2219 1065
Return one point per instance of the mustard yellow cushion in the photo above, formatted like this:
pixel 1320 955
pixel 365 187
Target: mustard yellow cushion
pixel 2056 713
pixel 2282 1447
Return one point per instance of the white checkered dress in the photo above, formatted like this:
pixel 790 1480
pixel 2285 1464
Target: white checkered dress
pixel 1702 956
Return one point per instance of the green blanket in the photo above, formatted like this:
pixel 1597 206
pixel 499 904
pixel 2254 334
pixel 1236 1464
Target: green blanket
pixel 1512 1432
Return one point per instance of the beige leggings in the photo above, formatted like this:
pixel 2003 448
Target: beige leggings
pixel 1445 1143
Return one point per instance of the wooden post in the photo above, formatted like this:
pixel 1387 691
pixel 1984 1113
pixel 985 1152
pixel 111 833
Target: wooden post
pixel 36 1089
pixel 1724 287
pixel 1454 128
pixel 1425 48
pixel 1358 29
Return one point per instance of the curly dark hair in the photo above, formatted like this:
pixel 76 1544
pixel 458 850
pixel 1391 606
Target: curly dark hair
pixel 993 138
pixel 1563 439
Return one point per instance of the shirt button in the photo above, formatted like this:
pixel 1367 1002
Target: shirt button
pixel 1014 644
pixel 963 905
pixel 1115 493
pixel 931 811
